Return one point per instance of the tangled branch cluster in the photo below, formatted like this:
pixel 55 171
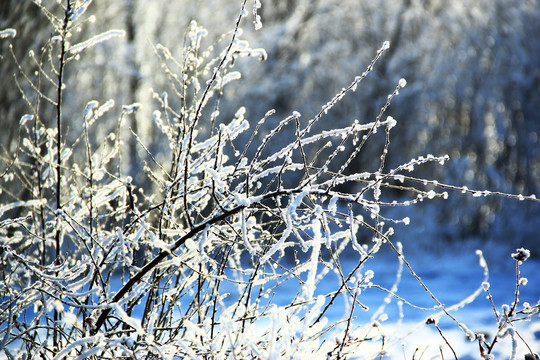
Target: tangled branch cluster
pixel 186 259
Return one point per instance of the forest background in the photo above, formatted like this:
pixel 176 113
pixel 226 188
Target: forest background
pixel 473 72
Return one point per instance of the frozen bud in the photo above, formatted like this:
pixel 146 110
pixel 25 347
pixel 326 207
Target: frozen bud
pixel 485 286
pixel 89 109
pixel 386 45
pixel 521 254
pixel 368 275
pixel 402 82
pixel 391 122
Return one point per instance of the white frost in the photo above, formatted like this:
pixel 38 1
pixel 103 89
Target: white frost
pixel 8 33
pixel 89 109
pixel 80 9
pixel 75 49
pixel 390 122
pixel 131 108
pixel 26 118
pixel 402 82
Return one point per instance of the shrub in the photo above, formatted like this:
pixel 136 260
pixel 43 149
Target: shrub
pixel 178 249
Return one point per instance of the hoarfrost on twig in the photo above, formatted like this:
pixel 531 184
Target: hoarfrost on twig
pixel 98 39
pixel 6 33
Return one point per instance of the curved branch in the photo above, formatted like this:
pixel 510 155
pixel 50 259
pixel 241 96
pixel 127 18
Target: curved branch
pixel 164 253
pixel 161 256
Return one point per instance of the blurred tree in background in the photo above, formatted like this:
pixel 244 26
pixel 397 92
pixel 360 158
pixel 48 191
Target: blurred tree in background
pixel 472 66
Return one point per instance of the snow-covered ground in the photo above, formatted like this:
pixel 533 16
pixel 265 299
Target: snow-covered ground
pixel 452 276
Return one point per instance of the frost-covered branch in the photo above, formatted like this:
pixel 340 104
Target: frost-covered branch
pixel 226 237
